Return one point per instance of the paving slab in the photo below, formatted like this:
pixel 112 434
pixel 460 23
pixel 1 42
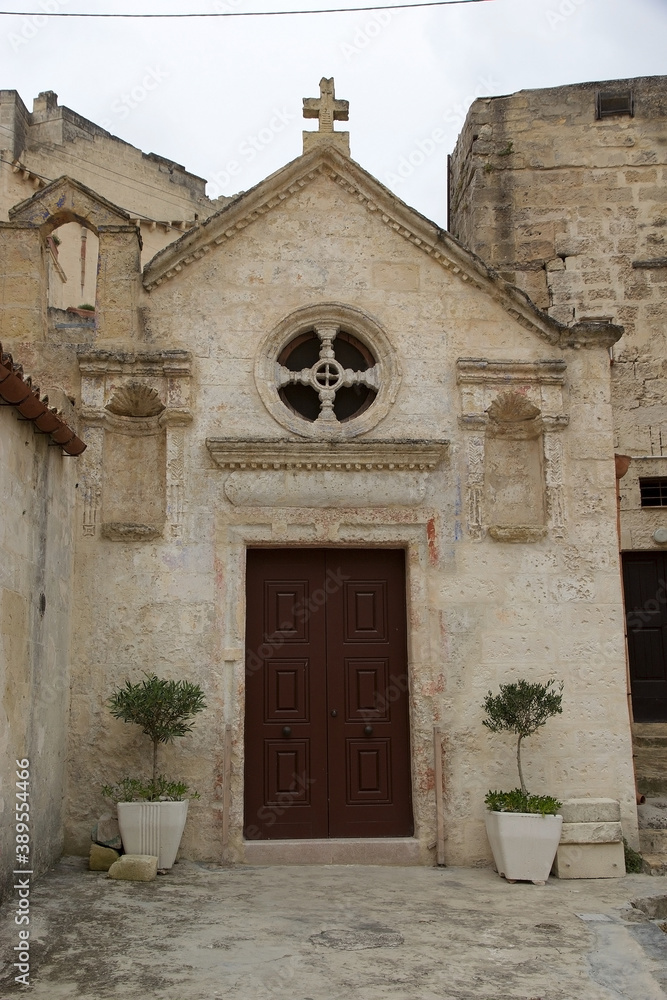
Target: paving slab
pixel 203 932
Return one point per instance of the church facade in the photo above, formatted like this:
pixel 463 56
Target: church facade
pixel 346 477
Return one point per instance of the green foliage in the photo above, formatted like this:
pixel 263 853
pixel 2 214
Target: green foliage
pixel 87 305
pixel 162 708
pixel 517 801
pixel 633 859
pixel 507 150
pixel 522 708
pixel 156 790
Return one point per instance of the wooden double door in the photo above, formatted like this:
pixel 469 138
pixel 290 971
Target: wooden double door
pixel 326 723
pixel 645 586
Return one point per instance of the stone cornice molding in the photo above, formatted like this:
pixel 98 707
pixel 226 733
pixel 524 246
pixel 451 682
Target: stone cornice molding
pixel 326 160
pixel 165 364
pixel 284 454
pixel 550 371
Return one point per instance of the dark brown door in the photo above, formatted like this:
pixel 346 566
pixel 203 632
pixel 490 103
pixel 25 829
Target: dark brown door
pixel 326 732
pixel 645 584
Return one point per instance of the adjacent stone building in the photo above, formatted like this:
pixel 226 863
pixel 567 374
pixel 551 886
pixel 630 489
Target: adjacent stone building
pixel 348 478
pixel 563 192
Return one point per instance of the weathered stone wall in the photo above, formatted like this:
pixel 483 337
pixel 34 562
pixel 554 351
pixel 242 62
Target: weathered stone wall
pixel 495 589
pixel 52 141
pixel 573 209
pixel 480 610
pixel 36 549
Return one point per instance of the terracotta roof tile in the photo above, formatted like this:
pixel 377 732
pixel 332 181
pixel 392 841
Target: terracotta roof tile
pixel 17 389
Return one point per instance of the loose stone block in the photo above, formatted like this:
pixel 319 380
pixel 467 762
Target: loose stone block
pixel 135 868
pixel 101 858
pixel 589 861
pixel 591 811
pixel 106 832
pixel 591 833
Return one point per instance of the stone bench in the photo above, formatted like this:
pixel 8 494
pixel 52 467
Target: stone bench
pixel 591 843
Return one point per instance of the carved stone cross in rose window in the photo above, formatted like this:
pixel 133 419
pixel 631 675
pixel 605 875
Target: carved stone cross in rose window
pixel 327 375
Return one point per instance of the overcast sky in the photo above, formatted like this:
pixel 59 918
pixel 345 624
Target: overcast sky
pixel 223 96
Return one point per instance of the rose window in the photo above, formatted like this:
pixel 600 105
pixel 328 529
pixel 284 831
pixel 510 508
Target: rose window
pixel 327 375
pixel 327 371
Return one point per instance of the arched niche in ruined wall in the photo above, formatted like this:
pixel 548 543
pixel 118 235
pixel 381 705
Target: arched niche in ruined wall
pixel 114 254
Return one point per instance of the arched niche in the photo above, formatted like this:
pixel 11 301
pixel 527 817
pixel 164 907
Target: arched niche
pixel 514 484
pixel 134 464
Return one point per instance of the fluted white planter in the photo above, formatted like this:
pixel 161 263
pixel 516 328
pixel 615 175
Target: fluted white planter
pixel 524 845
pixel 153 828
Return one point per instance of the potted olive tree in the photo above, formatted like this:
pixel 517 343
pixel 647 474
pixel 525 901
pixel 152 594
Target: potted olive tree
pixel 523 829
pixel 152 813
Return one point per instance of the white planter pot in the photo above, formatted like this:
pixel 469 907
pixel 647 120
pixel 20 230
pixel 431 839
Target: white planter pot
pixel 524 845
pixel 152 828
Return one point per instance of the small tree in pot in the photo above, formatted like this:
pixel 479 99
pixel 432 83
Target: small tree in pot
pixel 522 708
pixel 164 709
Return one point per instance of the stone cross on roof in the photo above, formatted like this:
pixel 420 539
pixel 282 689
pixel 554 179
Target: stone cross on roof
pixel 326 107
pixel 328 110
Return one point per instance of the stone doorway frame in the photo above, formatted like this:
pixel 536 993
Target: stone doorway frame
pixel 298 528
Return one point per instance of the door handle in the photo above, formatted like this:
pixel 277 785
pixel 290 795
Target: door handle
pixel 368 730
pixel 287 731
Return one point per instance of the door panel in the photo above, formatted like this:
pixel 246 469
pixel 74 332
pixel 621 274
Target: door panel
pixel 644 579
pixel 327 735
pixel 285 789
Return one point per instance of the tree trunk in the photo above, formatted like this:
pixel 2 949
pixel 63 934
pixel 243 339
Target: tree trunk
pixel 154 762
pixel 518 763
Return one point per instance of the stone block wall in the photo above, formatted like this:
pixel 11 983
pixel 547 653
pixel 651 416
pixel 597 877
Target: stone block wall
pixel 37 488
pixel 573 209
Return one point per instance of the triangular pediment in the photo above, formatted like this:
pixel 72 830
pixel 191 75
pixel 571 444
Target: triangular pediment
pixel 327 161
pixel 67 200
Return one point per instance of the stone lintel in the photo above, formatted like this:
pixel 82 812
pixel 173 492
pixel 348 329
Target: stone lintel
pixel 419 456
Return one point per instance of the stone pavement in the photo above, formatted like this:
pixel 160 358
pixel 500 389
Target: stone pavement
pixel 338 933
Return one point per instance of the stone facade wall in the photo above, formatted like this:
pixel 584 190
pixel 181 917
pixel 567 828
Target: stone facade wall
pixel 175 383
pixel 573 209
pixel 481 610
pixel 37 488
